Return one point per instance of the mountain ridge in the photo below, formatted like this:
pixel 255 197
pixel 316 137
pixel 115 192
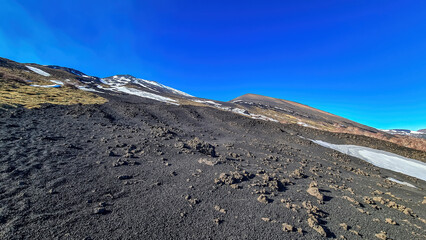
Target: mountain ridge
pixel 251 95
pixel 249 105
pixel 129 158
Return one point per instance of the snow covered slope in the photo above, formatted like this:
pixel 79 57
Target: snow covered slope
pixel 406 132
pixel 39 71
pixel 121 80
pixel 381 159
pixel 140 93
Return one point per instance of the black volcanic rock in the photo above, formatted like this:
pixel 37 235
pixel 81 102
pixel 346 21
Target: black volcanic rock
pixel 172 193
pixel 202 172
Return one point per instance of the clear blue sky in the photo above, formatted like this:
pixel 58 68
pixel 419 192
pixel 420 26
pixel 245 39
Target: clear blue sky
pixel 364 60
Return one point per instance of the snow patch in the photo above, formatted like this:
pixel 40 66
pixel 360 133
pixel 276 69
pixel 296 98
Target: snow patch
pixel 381 159
pixel 208 102
pixel 57 85
pixel 303 124
pixel 403 132
pixel 140 93
pixel 39 71
pixel 240 111
pixel 241 101
pixel 103 81
pixel 119 81
pixel 236 110
pixel 85 88
pixel 306 125
pixel 57 82
pixel 47 86
pixel 401 182
pixel 167 87
pixel 262 117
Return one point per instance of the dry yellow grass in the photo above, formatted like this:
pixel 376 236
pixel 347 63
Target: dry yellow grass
pixel 15 92
pixel 189 102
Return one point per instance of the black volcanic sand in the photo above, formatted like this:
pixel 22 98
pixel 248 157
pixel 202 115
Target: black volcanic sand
pixel 139 169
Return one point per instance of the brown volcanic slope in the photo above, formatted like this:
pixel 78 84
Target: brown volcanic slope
pixel 292 112
pixel 302 112
pixel 255 97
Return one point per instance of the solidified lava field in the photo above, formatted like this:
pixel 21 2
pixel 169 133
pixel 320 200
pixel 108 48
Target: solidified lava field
pixel 133 168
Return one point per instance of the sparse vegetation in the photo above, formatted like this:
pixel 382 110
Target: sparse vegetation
pixel 16 91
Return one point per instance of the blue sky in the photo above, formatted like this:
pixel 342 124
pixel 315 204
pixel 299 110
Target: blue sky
pixel 364 60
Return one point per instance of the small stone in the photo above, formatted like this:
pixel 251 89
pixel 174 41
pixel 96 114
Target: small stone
pixel 217 221
pixel 314 191
pixel 363 211
pixel 390 221
pixel 217 208
pixel 191 200
pixel 207 162
pixel 313 223
pixel 120 162
pixel 263 199
pixel 124 177
pixel 297 174
pixel 382 235
pixel 354 232
pixel 100 210
pixel 344 226
pixel 287 227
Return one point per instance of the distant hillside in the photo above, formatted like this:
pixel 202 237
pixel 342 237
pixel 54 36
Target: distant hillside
pixel 31 85
pixel 287 111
